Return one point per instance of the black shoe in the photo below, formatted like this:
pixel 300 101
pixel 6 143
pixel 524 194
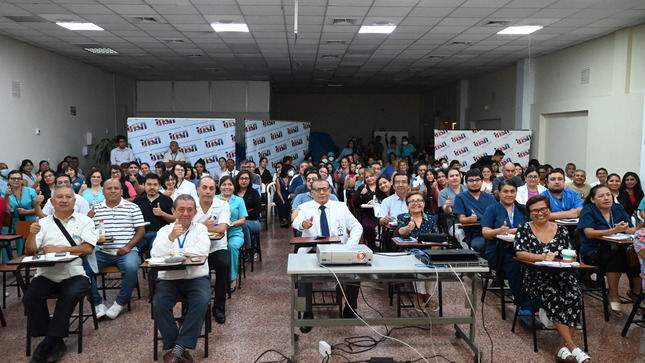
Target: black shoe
pixel 306 315
pixel 57 351
pixel 219 314
pixel 39 355
pixel 349 314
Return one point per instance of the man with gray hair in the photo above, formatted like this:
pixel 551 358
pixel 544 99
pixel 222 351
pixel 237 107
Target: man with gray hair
pixel 579 184
pixel 173 156
pixel 255 179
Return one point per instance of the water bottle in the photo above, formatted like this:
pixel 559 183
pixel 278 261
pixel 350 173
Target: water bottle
pixel 101 231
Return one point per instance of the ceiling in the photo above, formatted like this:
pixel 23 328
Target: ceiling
pixel 172 39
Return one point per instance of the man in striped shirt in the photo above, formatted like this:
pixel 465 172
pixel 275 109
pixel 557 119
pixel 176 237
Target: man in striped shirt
pixel 124 223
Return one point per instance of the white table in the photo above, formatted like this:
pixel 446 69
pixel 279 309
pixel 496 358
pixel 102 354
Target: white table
pixel 392 269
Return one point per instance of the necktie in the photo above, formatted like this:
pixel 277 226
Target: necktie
pixel 324 226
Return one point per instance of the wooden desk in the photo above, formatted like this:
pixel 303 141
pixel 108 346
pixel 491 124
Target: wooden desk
pixel 298 242
pixel 469 225
pixel 567 222
pixel 215 236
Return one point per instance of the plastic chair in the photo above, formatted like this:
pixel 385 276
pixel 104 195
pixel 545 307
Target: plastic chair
pixel 270 189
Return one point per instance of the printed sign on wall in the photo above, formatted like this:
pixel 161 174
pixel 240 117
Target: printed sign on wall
pixel 276 139
pixel 208 139
pixel 468 146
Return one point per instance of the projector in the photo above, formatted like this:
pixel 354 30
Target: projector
pixel 340 254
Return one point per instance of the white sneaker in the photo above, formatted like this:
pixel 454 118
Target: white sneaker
pixel 545 319
pixel 101 309
pixel 114 310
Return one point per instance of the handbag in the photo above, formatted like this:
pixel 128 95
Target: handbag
pixel 89 261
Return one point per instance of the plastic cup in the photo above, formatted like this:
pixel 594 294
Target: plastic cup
pixel 568 255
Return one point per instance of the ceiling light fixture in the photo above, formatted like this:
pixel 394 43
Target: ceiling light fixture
pixel 222 27
pixel 79 26
pixel 377 29
pixel 521 30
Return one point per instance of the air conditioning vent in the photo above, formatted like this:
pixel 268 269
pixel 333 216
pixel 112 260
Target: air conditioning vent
pixel 329 56
pixel 585 73
pixel 461 43
pixel 332 42
pixel 343 21
pixel 23 19
pixel 144 20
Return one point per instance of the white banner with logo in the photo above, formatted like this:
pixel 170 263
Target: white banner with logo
pixel 208 139
pixel 468 146
pixel 276 139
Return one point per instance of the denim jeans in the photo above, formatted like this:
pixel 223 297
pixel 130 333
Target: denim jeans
pixel 249 228
pixel 146 242
pixel 128 264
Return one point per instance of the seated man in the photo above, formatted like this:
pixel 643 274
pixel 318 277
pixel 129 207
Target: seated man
pixel 124 222
pixel 80 204
pixel 183 237
pixel 215 214
pixel 67 280
pixel 323 217
pixel 508 172
pixel 565 203
pixel 470 207
pixel 173 156
pixel 579 185
pixel 156 209
pixel 395 204
pixel 310 176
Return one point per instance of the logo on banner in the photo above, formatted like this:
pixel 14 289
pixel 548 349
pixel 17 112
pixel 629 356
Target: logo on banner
pixel 137 127
pixel 295 156
pixel 228 124
pixel 461 151
pixel 480 156
pixel 523 153
pixel 481 142
pixel 259 141
pixel 251 127
pixel 205 129
pixel 156 157
pixel 306 126
pixel 164 121
pixel 264 154
pixel 189 149
pixel 440 132
pixel 151 141
pixel 499 134
pixel 296 142
pixel 210 159
pixel 440 146
pixel 230 154
pixel 212 143
pixel 292 130
pixel 266 123
pixel 233 137
pixel 178 135
pixel 459 137
pixel 504 147
pixel 280 148
pixel 523 140
pixel 276 135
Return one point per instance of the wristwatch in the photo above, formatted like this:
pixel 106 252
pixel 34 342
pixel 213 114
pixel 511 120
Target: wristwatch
pixel 230 224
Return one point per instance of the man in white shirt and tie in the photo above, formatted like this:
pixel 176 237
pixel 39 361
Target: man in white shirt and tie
pixel 324 217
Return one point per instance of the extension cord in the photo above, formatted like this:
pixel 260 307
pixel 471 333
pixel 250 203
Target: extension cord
pixel 324 348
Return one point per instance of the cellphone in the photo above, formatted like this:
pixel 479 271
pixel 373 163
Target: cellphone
pixel 60 254
pixel 195 259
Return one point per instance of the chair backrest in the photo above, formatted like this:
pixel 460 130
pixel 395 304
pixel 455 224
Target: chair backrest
pixel 22 228
pixel 6 221
pixel 270 192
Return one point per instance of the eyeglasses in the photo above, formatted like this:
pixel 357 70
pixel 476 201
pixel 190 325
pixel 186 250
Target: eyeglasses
pixel 539 211
pixel 473 180
pixel 401 182
pixel 416 201
pixel 95 177
pixel 15 179
pixel 245 178
pixel 311 180
pixel 532 177
pixel 321 190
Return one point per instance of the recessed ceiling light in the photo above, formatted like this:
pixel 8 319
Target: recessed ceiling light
pixel 101 50
pixel 79 26
pixel 525 29
pixel 377 29
pixel 221 27
pixel 335 85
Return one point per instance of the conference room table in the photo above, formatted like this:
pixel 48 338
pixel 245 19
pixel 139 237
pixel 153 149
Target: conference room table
pixel 385 268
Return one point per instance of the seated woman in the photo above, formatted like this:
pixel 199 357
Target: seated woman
pixel 602 217
pixel 631 192
pixel 29 178
pixel 92 190
pixel 21 202
pixel 366 194
pixel 503 218
pixel 128 189
pixel 184 186
pixel 168 183
pixel 384 190
pixel 430 190
pixel 410 225
pixel 46 185
pixel 281 197
pixel 487 180
pixel 77 182
pixel 234 233
pixel 253 204
pixel 542 240
pixel 532 186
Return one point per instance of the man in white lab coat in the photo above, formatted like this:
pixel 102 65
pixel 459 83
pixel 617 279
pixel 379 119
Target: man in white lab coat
pixel 324 217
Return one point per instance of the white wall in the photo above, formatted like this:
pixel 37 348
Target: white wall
pixel 347 115
pixel 492 97
pixel 50 84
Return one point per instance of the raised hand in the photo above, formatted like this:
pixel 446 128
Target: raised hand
pixel 177 231
pixel 40 198
pixel 473 216
pixel 503 229
pixel 308 223
pixel 550 256
pixel 448 203
pixel 411 225
pixel 209 222
pixel 35 227
pixel 91 212
pixel 157 211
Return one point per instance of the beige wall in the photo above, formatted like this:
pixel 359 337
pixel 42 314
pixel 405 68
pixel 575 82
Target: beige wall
pixel 492 97
pixel 346 115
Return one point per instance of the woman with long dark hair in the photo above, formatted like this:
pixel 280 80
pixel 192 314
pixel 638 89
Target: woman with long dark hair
pixel 252 202
pixel 631 192
pixel 281 197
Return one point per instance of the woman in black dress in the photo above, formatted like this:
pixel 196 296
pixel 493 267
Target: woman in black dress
pixel 542 240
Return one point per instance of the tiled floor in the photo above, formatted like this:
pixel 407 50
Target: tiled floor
pixel 258 320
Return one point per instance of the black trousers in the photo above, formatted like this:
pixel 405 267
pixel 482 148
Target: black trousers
pixel 69 292
pixel 220 261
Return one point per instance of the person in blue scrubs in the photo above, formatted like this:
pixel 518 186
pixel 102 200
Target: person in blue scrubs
pixel 470 206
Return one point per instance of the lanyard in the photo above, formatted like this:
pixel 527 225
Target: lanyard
pixel 611 220
pixel 173 156
pixel 510 216
pixel 181 243
pixel 558 202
